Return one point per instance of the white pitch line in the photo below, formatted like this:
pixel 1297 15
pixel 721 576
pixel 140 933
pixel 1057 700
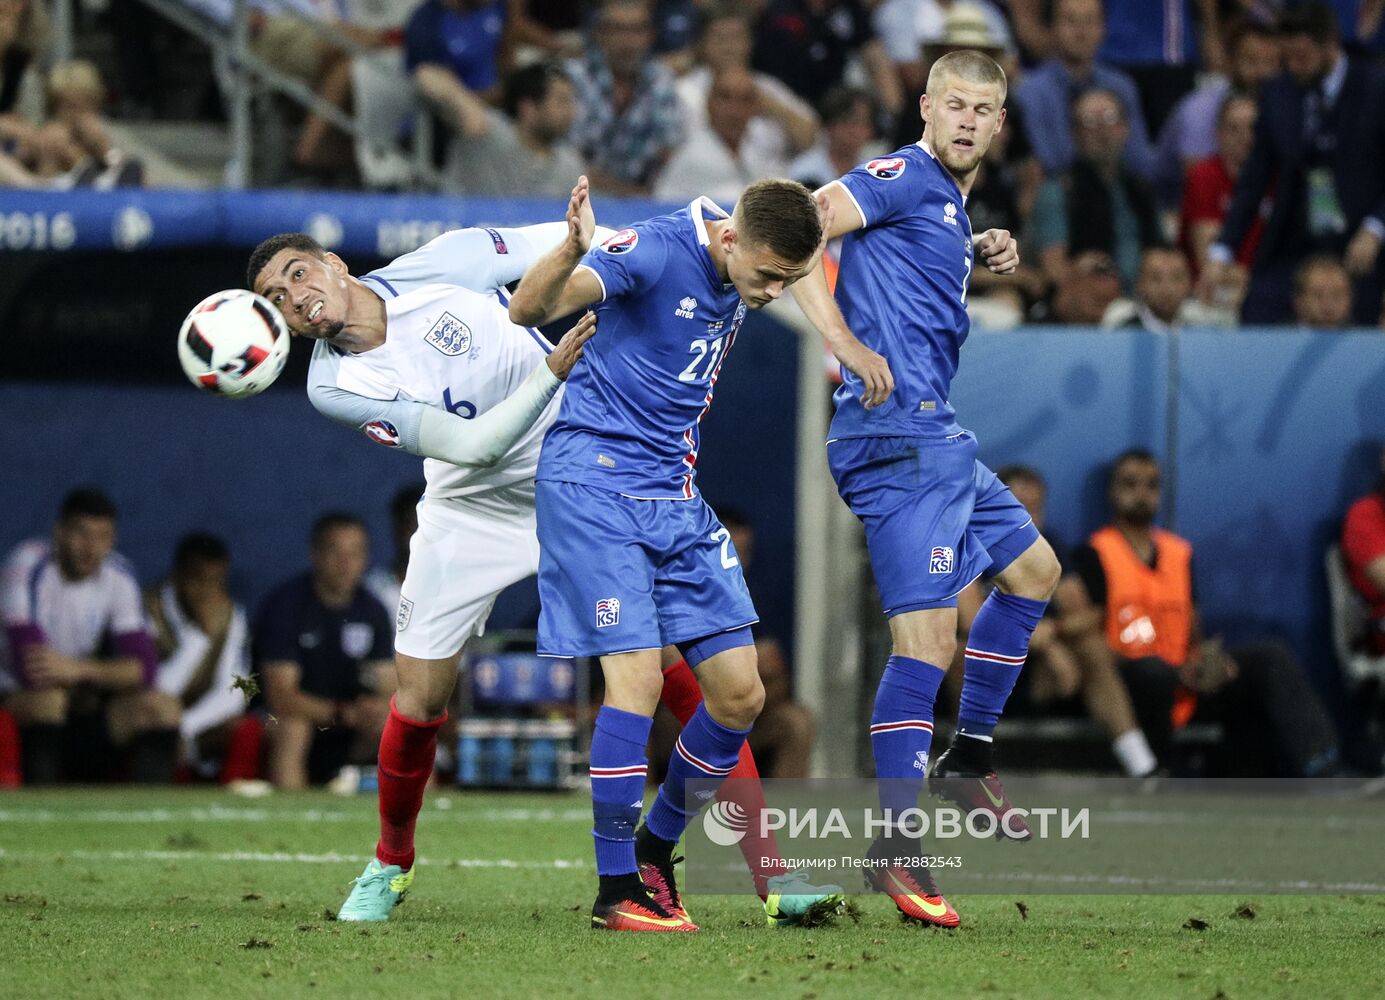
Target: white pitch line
pixel 220 814
pixel 282 857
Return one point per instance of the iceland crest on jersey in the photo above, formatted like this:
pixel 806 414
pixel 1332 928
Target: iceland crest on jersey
pixel 607 612
pixel 621 242
pixel 940 560
pixel 382 432
pixel 450 335
pixel 887 168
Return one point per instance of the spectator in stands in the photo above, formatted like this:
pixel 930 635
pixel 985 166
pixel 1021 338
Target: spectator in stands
pixel 810 43
pixel 848 138
pixel 782 126
pixel 1156 45
pixel 1319 141
pixel 1363 552
pixel 1207 196
pixel 1098 204
pixel 628 122
pixel 714 159
pixel 79 662
pixel 23 39
pixel 203 639
pixel 76 99
pixel 904 27
pixel 384 581
pixel 526 148
pixel 1090 284
pixel 1141 577
pixel 1045 95
pixel 453 50
pixel 323 646
pixel 1322 294
pixel 1164 301
pixel 1071 656
pixel 1193 132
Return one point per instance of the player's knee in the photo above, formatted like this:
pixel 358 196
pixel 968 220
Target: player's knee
pixel 1034 575
pixel 738 701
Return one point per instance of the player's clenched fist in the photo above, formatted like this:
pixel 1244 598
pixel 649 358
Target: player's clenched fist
pixel 1000 250
pixel 581 223
pixel 569 349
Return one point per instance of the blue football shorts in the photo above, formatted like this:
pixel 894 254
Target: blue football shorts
pixel 618 574
pixel 935 517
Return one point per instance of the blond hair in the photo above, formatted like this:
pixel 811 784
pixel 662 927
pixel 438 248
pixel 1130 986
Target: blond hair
pixel 75 79
pixel 969 66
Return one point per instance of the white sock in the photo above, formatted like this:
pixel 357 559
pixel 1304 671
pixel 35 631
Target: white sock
pixel 1132 750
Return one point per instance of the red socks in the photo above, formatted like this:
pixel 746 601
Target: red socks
pixel 682 696
pixel 242 760
pixel 407 748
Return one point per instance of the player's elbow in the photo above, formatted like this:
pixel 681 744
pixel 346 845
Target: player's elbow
pixel 522 313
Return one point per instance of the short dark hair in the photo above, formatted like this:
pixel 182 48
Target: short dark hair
pixel 1239 30
pixel 405 500
pixel 265 252
pixel 86 501
pixel 1130 455
pixel 199 547
pixel 1316 20
pixel 840 101
pixel 780 216
pixel 1017 473
pixel 530 83
pixel 330 522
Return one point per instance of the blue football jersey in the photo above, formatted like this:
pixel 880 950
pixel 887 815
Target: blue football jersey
pixel 902 287
pixel 630 415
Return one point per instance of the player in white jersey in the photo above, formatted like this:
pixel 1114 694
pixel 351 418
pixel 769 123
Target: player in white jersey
pixel 421 356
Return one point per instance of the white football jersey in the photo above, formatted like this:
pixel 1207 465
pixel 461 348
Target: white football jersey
pixel 450 345
pixel 450 348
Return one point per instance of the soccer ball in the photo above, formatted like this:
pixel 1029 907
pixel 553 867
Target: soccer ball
pixel 233 343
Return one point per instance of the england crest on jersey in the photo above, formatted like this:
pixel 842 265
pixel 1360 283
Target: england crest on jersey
pixel 450 335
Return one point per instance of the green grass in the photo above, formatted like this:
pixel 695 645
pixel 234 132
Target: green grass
pixel 173 894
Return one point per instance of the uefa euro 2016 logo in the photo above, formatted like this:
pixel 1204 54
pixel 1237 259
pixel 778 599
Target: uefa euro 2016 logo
pixel 607 612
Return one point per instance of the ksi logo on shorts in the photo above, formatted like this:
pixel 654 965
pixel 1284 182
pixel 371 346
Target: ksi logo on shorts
pixel 607 612
pixel 940 560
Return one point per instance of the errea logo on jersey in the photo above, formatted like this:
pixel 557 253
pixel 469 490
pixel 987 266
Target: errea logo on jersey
pixel 887 168
pixel 450 335
pixel 950 214
pixel 686 305
pixel 621 242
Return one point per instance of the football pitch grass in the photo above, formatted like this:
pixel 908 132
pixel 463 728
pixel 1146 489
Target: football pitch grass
pixel 196 893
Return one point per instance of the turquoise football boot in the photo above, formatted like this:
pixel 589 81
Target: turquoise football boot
pixel 376 892
pixel 791 901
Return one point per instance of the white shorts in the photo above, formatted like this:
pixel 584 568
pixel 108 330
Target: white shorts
pixel 465 552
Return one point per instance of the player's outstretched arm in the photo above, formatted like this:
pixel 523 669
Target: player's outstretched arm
pixel 840 216
pixel 430 432
pixel 550 288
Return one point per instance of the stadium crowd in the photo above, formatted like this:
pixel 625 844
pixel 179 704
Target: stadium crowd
pixel 1247 135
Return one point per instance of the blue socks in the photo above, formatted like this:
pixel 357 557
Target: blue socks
pixel 901 730
pixel 705 750
pixel 996 648
pixel 618 767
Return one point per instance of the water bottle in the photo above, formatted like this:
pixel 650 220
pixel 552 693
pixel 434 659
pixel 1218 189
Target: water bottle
pixel 543 761
pixel 468 759
pixel 502 756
